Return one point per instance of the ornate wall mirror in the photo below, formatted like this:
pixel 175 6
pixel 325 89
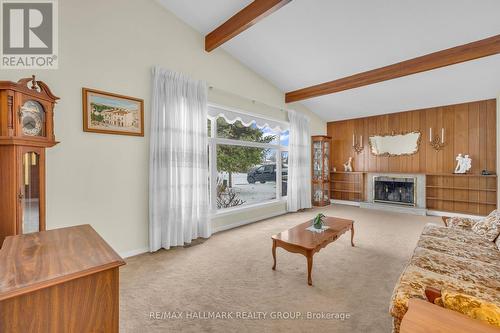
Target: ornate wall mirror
pixel 395 144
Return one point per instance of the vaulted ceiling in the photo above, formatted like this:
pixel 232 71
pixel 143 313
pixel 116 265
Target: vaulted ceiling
pixel 307 42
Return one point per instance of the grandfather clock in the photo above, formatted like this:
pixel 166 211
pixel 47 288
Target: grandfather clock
pixel 26 130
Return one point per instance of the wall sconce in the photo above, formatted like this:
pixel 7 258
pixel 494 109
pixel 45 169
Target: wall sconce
pixel 358 147
pixel 436 142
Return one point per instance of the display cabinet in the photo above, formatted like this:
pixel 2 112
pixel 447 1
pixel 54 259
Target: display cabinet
pixel 320 145
pixel 26 130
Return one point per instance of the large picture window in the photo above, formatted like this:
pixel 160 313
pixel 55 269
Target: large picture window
pixel 248 159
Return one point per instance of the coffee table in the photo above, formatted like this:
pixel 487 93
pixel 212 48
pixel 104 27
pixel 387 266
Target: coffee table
pixel 307 243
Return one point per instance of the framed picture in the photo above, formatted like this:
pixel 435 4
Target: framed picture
pixel 104 112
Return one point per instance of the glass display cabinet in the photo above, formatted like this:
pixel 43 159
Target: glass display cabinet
pixel 26 130
pixel 321 170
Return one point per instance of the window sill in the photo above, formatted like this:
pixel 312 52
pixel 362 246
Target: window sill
pixel 235 210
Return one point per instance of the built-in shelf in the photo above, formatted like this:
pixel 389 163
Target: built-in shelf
pixel 463 201
pixel 449 174
pixel 464 193
pixel 459 175
pixel 350 185
pixel 346 191
pixel 315 181
pixel 349 172
pixel 461 188
pixel 454 211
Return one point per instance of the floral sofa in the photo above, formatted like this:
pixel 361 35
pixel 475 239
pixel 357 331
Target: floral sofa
pixel 463 257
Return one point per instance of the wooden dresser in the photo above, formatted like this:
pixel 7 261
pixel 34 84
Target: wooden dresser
pixel 62 280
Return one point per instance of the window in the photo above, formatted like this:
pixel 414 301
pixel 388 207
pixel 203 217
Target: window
pixel 248 159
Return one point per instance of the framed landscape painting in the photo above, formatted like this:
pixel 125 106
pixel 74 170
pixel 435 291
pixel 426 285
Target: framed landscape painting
pixel 109 113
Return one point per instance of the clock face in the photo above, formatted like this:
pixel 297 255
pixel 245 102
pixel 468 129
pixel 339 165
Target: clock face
pixel 32 117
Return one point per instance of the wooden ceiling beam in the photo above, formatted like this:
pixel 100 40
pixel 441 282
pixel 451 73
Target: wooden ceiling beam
pixel 241 21
pixel 478 49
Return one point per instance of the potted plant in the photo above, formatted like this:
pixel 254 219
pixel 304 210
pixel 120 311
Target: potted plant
pixel 318 221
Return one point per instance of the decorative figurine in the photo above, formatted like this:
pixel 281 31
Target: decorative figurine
pixel 459 163
pixel 348 165
pixel 464 164
pixel 317 196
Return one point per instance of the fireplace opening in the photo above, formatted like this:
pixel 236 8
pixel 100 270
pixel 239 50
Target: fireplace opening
pixel 394 190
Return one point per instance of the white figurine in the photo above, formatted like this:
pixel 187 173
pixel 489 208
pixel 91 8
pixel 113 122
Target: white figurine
pixel 467 163
pixel 464 164
pixel 459 163
pixel 348 165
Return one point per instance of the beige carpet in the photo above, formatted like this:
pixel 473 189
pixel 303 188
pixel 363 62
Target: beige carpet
pixel 231 272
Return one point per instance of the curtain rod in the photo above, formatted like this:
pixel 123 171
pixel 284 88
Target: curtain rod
pixel 211 87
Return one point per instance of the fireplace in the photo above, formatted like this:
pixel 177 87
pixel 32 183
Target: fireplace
pixel 394 190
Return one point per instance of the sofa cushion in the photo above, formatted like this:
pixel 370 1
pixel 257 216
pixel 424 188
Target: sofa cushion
pixel 472 307
pixel 487 253
pixel 489 227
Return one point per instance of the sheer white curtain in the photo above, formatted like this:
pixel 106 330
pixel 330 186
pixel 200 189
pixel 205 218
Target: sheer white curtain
pixel 178 166
pixel 299 162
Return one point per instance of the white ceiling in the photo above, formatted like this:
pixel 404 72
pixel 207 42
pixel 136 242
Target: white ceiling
pixel 313 41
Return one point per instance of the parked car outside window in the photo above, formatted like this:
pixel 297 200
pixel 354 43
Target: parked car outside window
pixel 265 173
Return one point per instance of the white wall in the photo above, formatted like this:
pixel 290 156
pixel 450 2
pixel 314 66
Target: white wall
pixel 112 45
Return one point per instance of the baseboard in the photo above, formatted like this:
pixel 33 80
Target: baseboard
pixel 247 221
pixel 345 202
pixel 128 254
pixel 439 213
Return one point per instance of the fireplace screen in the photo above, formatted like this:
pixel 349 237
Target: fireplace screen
pixel 394 190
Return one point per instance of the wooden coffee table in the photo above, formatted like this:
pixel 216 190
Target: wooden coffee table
pixel 307 243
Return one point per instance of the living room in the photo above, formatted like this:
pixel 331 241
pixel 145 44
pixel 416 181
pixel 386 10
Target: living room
pixel 179 165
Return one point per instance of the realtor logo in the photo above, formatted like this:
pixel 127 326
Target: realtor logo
pixel 29 34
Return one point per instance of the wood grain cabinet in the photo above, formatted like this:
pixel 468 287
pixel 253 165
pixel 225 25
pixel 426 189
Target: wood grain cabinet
pixel 62 280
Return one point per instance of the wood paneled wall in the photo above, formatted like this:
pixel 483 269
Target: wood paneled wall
pixel 470 128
